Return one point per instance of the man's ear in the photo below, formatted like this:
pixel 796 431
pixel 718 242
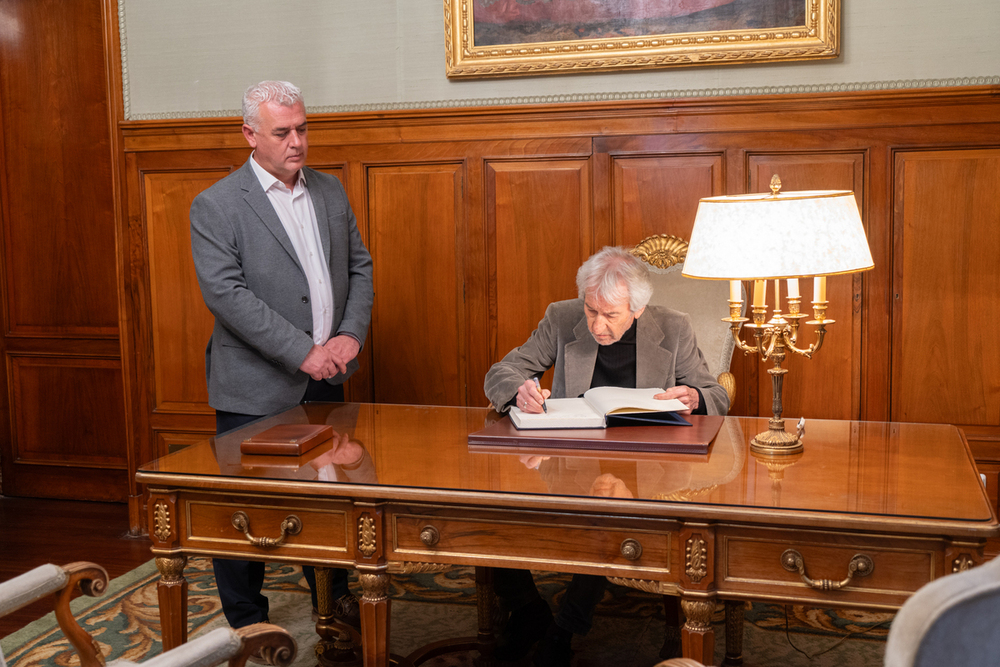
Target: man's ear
pixel 639 312
pixel 249 135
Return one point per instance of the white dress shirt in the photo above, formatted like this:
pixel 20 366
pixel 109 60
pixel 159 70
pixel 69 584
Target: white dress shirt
pixel 298 216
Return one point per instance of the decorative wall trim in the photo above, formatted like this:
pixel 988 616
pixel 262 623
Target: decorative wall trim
pixel 123 44
pixel 579 97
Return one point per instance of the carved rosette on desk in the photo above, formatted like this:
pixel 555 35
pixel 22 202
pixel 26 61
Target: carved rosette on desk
pixel 161 521
pixel 699 547
pixel 366 535
pixel 696 559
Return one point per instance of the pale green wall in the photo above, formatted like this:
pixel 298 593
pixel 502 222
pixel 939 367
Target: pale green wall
pixel 194 58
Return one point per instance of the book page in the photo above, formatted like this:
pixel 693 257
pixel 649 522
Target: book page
pixel 607 400
pixel 562 413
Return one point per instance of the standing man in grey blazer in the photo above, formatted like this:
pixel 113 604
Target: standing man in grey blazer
pixel 283 269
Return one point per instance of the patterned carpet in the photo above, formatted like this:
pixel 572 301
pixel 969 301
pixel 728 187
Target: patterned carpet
pixel 628 629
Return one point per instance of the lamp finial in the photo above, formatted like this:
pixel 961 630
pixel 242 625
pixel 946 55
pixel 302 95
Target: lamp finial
pixel 775 185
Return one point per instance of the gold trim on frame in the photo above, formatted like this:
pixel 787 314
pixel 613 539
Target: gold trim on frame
pixel 818 38
pixel 413 567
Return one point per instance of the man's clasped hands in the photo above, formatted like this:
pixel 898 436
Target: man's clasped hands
pixel 330 359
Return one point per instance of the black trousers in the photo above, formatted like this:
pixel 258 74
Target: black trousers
pixel 516 588
pixel 240 581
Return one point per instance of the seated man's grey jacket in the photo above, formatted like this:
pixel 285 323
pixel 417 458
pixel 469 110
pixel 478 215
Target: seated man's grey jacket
pixel 667 355
pixel 253 284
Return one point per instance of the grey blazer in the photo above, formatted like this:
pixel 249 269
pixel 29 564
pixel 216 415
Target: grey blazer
pixel 252 283
pixel 667 354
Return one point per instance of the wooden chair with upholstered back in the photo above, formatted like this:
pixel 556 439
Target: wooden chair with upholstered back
pixel 220 645
pixel 705 301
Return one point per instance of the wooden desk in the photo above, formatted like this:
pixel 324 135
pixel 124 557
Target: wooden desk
pixel 401 491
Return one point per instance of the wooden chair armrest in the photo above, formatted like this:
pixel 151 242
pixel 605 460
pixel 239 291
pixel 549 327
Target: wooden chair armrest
pixel 93 581
pixel 271 642
pixel 47 579
pixel 226 644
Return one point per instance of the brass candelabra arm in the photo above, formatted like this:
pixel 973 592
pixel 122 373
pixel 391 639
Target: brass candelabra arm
pixel 793 324
pixel 772 334
pixel 734 329
pixel 813 348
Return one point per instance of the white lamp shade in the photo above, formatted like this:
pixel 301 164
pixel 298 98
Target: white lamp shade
pixel 787 235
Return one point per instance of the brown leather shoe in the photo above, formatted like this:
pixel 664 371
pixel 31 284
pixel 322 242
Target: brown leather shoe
pixel 347 610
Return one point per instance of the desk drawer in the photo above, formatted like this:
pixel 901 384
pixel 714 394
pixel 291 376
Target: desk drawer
pixel 752 561
pixel 518 538
pixel 320 531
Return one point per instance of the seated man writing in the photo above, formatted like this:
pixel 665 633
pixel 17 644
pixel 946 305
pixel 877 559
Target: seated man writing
pixel 606 337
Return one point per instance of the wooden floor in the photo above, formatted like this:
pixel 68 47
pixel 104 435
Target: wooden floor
pixel 34 532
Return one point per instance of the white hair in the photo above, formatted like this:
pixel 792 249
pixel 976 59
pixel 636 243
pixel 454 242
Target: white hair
pixel 280 92
pixel 612 274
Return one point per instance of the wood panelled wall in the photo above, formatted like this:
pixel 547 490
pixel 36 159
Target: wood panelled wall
pixel 63 416
pixel 478 218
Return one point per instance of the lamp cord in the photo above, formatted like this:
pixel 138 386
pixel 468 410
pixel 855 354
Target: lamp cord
pixel 788 636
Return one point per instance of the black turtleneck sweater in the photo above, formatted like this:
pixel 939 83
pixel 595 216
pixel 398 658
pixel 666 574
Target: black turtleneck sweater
pixel 615 366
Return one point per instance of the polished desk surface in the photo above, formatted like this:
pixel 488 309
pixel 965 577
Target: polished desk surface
pixel 914 478
pixel 399 488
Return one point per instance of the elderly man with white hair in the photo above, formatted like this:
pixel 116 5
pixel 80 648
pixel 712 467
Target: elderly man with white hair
pixel 608 336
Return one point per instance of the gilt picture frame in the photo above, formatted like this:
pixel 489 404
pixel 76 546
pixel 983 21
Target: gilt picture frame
pixel 495 38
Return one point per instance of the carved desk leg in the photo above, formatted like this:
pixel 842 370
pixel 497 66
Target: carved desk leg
pixel 486 608
pixel 697 636
pixel 172 594
pixel 336 645
pixel 375 618
pixel 734 633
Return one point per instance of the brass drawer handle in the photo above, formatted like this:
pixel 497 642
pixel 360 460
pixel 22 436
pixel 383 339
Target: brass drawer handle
pixel 860 566
pixel 631 549
pixel 292 525
pixel 430 536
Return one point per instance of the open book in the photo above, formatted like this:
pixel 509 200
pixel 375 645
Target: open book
pixel 601 407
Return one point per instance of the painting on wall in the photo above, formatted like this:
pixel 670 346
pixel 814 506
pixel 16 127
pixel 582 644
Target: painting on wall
pixel 485 38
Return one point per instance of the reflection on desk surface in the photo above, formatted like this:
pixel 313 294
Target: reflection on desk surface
pixel 867 468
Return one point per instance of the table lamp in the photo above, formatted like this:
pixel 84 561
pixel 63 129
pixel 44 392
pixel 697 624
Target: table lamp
pixel 777 236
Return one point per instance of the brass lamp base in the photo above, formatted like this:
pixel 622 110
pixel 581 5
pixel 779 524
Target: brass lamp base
pixel 776 440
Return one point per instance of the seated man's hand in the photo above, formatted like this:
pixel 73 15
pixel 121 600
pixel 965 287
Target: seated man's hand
pixel 686 395
pixel 330 457
pixel 342 349
pixel 343 452
pixel 609 486
pixel 532 461
pixel 529 398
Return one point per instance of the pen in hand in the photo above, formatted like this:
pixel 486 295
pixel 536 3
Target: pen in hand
pixel 539 387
